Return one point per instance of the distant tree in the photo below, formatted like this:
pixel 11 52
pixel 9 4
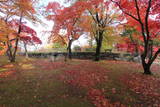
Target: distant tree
pixel 132 35
pixel 111 38
pixel 66 19
pixel 99 17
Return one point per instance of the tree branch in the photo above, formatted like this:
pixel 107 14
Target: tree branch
pixel 125 11
pixel 146 18
pixel 93 17
pixel 154 57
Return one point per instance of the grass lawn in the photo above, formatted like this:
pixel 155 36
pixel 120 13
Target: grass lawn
pixel 77 83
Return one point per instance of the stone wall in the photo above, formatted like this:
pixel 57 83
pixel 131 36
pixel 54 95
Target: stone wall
pixel 77 55
pixel 87 55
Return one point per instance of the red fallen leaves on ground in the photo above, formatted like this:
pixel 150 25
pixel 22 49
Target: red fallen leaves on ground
pixel 8 66
pixel 156 68
pixel 147 86
pixel 97 97
pixel 87 76
pixel 84 75
pixel 6 73
pixel 48 65
pixel 83 79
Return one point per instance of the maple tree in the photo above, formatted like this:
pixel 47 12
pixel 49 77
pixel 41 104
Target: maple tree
pixel 11 11
pixel 144 16
pixel 3 32
pixel 103 17
pixel 66 19
pixel 111 38
pixel 98 20
pixel 29 37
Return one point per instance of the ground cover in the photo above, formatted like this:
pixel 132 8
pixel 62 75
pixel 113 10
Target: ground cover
pixel 77 83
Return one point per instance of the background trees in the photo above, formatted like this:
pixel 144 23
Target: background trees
pixel 103 18
pixel 94 17
pixel 131 38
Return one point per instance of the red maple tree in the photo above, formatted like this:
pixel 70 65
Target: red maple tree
pixel 144 15
pixel 66 19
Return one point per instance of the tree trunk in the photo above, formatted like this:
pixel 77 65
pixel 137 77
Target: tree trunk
pixel 12 52
pixel 13 59
pixel 65 57
pixel 9 51
pixel 146 66
pixel 8 54
pixel 147 70
pixel 69 49
pixel 26 51
pixel 17 40
pixel 99 45
pixel 15 51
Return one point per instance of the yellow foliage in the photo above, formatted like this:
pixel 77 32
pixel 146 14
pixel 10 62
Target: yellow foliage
pixel 2 49
pixel 111 37
pixel 62 39
pixel 6 34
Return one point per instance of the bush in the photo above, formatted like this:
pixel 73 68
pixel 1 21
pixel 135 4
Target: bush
pixel 77 48
pixel 90 49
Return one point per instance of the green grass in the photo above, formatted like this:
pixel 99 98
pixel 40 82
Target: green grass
pixel 34 86
pixel 38 92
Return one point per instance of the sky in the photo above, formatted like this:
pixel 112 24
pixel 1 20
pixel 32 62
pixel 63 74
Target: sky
pixel 40 28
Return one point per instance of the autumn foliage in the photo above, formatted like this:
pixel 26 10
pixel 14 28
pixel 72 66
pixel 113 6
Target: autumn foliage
pixel 13 28
pixel 144 17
